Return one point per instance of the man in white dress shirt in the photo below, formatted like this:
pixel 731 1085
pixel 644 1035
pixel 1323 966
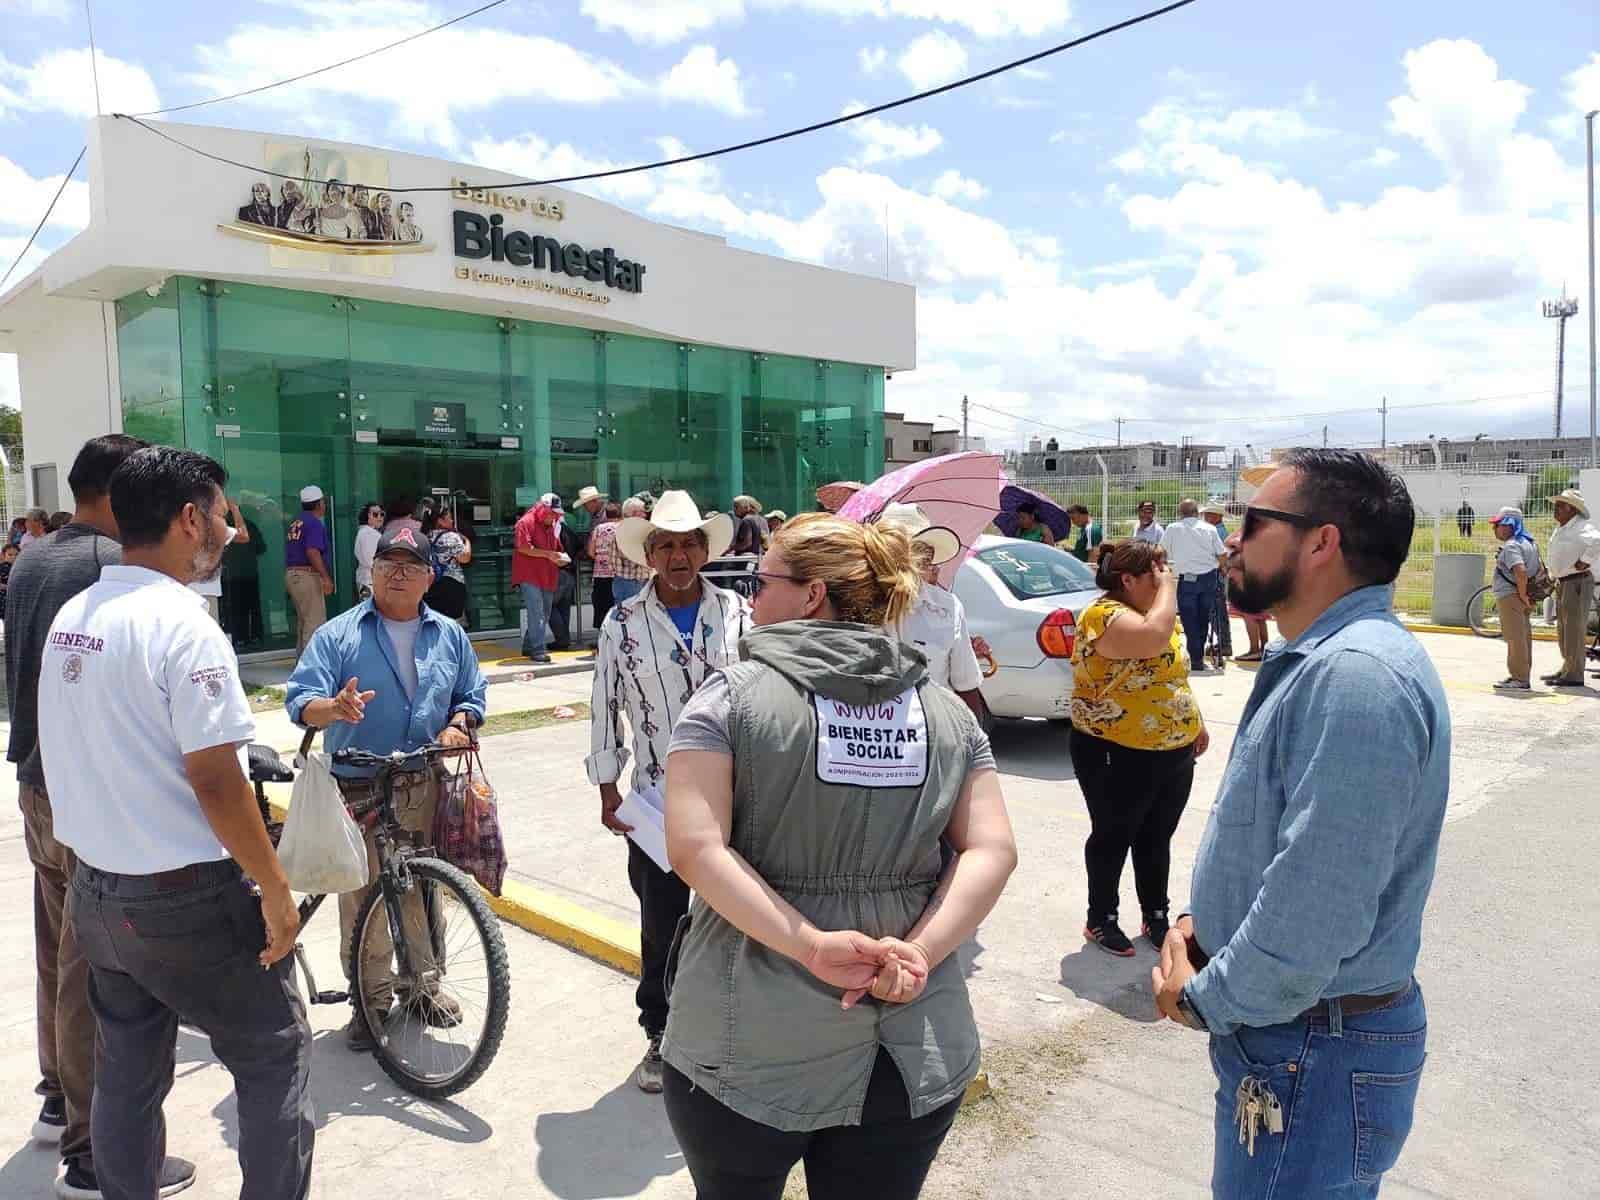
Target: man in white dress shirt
pixel 1195 553
pixel 1574 554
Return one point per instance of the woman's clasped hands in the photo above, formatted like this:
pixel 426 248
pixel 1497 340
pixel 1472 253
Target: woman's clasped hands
pixel 889 969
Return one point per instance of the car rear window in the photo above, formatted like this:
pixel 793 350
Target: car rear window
pixel 1031 569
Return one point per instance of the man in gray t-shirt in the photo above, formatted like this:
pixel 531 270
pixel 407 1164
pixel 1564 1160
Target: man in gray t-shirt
pixel 49 572
pixel 1517 550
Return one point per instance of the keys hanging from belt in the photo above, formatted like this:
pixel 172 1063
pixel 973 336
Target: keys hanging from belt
pixel 1255 1106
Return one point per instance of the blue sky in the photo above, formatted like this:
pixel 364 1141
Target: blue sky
pixel 1207 224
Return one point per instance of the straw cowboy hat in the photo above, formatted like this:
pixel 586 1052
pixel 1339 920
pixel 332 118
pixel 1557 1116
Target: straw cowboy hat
pixel 943 542
pixel 587 494
pixel 1575 498
pixel 675 512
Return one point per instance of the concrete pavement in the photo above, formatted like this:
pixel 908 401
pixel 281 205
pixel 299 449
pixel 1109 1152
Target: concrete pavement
pixel 1091 1095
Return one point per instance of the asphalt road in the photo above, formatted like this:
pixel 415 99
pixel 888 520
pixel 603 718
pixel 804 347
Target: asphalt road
pixel 1091 1096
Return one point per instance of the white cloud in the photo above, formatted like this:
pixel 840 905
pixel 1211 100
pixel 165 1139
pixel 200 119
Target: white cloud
pixel 425 84
pixel 1381 157
pixel 61 81
pixel 23 200
pixel 1583 85
pixel 953 185
pixel 871 59
pixel 532 157
pixel 932 59
pixel 56 9
pixel 661 21
pixel 884 141
pixel 996 18
pixel 703 78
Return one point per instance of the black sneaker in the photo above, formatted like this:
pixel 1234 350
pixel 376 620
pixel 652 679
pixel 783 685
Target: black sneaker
pixel 648 1074
pixel 1155 928
pixel 52 1122
pixel 77 1182
pixel 1110 938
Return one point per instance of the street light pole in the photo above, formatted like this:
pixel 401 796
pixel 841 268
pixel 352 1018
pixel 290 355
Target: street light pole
pixel 1588 121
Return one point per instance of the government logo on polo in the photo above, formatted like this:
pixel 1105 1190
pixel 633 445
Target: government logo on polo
pixel 210 680
pixel 72 669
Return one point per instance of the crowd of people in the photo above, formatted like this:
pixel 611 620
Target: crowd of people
pixel 834 823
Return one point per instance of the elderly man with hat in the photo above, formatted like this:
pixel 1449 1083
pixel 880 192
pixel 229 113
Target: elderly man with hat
pixel 1212 514
pixel 937 623
pixel 1149 529
pixel 1574 553
pixel 308 575
pixel 656 648
pixel 390 675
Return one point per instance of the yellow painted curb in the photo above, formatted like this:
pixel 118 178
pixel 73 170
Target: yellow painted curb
pixel 1539 635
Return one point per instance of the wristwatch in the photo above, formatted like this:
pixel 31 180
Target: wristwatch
pixel 1188 1014
pixel 468 724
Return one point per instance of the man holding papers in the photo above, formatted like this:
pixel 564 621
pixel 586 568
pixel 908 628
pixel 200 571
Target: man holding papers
pixel 655 650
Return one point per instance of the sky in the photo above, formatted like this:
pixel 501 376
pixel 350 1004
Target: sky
pixel 1223 224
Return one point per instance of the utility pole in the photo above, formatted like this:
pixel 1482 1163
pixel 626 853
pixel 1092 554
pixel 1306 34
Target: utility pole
pixel 966 444
pixel 1588 121
pixel 1120 421
pixel 1385 411
pixel 1324 437
pixel 1560 311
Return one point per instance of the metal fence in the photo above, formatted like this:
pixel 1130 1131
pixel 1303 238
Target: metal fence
pixel 1453 506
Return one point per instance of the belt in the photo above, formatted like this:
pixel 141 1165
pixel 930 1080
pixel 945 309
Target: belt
pixel 1196 578
pixel 401 779
pixel 1351 1005
pixel 195 875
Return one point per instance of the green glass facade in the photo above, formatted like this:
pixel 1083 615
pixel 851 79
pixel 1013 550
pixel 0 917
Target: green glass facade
pixel 378 402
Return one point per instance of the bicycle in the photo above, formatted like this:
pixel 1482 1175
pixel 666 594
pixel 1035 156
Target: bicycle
pixel 447 1026
pixel 1483 613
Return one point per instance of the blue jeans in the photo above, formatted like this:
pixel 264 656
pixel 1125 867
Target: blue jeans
pixel 537 601
pixel 625 589
pixel 1195 601
pixel 1348 1088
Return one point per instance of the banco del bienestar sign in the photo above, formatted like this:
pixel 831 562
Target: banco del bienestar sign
pixel 479 237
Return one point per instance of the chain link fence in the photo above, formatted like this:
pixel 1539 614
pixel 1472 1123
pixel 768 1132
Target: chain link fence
pixel 1453 506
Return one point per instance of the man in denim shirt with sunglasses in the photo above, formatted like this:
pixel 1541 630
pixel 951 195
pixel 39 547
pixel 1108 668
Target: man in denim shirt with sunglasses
pixel 1310 882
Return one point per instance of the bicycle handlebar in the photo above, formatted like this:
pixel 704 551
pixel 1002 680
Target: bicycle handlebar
pixel 399 760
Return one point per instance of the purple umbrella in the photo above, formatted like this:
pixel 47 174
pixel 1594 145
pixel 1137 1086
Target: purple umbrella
pixel 959 491
pixel 1051 514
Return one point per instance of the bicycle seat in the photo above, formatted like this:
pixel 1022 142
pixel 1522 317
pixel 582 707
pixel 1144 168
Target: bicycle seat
pixel 266 766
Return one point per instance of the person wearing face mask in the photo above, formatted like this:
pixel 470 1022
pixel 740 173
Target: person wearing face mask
pixel 211 589
pixel 178 901
pixel 1136 731
pixel 390 674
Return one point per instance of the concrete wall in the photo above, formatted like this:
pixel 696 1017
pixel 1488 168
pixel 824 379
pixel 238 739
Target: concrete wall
pixel 68 388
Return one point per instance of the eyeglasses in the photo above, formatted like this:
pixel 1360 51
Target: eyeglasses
pixel 765 577
pixel 1253 517
pixel 402 571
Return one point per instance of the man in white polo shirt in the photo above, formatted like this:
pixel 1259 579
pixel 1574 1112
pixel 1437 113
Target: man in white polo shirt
pixel 1194 552
pixel 143 724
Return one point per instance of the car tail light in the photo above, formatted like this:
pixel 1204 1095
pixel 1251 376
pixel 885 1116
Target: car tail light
pixel 1057 633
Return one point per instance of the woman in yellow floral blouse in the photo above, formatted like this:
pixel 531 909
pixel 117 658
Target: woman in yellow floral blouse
pixel 1136 731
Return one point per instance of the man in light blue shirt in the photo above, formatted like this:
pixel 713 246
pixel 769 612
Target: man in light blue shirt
pixel 390 674
pixel 1311 879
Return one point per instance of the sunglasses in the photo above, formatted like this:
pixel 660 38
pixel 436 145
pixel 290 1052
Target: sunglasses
pixel 765 577
pixel 401 571
pixel 1253 518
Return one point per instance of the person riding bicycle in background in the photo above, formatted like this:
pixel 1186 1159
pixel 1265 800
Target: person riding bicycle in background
pixel 390 675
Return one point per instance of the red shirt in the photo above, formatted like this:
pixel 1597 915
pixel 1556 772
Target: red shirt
pixel 533 532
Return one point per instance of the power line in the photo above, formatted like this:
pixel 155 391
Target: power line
pixel 29 244
pixel 689 158
pixel 343 62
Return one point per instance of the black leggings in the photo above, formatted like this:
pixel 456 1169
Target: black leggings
pixel 1135 798
pixel 886 1157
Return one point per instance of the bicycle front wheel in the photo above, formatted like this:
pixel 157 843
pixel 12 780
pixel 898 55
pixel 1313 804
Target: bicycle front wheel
pixel 450 1002
pixel 1483 613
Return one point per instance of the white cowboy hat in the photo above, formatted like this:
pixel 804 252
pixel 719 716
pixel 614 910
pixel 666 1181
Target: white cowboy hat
pixel 1575 498
pixel 587 494
pixel 944 543
pixel 675 512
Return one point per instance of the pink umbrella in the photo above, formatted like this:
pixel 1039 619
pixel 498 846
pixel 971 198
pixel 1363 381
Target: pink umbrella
pixel 959 491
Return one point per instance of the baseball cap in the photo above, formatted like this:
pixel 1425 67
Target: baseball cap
pixel 551 500
pixel 1508 511
pixel 403 538
pixel 310 494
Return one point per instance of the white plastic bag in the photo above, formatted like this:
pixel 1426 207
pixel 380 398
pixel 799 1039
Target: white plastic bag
pixel 322 849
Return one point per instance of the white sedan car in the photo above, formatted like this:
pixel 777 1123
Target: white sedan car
pixel 1024 598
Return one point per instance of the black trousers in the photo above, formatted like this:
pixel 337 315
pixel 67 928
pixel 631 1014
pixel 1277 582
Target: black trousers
pixel 561 611
pixel 448 596
pixel 1135 799
pixel 157 951
pixel 886 1157
pixel 601 598
pixel 663 902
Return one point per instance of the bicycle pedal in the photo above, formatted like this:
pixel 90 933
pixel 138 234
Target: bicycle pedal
pixel 330 998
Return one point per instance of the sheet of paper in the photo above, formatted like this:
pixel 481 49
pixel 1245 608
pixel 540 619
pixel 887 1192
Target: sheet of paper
pixel 649 825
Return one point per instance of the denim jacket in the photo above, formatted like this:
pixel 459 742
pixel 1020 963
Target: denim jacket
pixel 1319 855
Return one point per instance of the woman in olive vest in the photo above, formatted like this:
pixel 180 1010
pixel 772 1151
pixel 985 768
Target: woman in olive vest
pixel 808 787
